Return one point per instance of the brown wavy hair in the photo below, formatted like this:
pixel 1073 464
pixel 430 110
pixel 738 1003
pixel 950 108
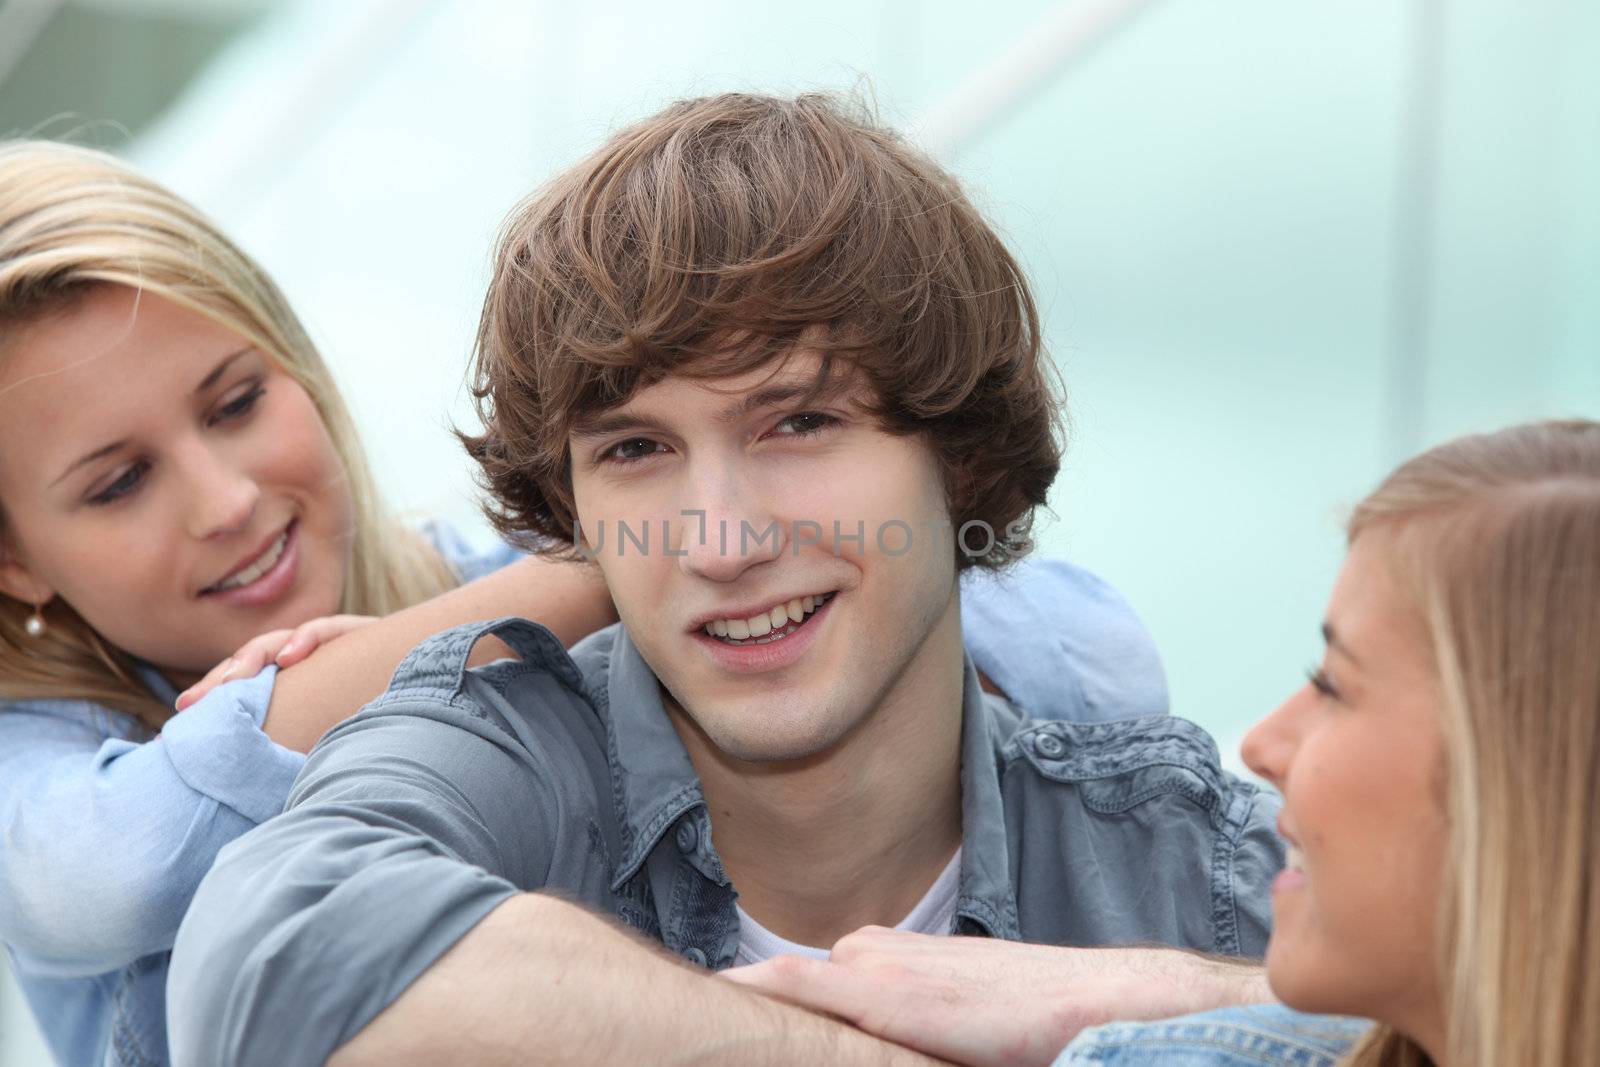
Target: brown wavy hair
pixel 716 236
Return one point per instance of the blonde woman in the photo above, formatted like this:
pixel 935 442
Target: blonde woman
pixel 178 480
pixel 1440 772
pixel 182 492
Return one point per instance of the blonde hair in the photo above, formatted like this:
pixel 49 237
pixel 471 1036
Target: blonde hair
pixel 73 218
pixel 1496 538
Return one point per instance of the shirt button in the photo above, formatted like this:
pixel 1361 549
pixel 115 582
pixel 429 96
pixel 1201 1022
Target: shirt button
pixel 1049 746
pixel 695 956
pixel 688 838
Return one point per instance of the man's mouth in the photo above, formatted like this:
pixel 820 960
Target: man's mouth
pixel 775 624
pixel 256 567
pixel 1295 860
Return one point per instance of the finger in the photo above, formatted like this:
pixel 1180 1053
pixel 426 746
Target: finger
pixel 815 985
pixel 297 648
pixel 256 654
pixel 210 681
pixel 310 636
pixel 245 663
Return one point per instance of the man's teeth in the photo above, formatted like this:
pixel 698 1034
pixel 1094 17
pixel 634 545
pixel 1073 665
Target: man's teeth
pixel 262 565
pixel 769 626
pixel 1295 861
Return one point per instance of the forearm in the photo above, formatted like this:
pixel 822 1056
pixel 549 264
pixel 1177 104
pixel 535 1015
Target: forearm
pixel 542 979
pixel 336 680
pixel 988 1002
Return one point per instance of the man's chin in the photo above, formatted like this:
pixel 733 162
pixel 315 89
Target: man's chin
pixel 767 730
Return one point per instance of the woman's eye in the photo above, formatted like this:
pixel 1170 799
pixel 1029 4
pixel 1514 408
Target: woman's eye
pixel 126 483
pixel 805 424
pixel 634 448
pixel 236 408
pixel 1321 682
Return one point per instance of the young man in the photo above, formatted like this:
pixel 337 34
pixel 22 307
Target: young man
pixel 767 366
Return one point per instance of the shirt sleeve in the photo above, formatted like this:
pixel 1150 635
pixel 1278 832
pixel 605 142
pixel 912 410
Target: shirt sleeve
pixel 1228 1037
pixel 411 822
pixel 1061 643
pixel 469 563
pixel 1259 854
pixel 106 839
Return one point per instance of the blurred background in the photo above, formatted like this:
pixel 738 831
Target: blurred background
pixel 1277 247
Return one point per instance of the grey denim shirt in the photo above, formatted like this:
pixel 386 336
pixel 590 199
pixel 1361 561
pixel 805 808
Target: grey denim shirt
pixel 459 788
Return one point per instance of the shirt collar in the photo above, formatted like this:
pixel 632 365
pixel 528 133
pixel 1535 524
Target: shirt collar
pixel 651 768
pixel 657 783
pixel 986 898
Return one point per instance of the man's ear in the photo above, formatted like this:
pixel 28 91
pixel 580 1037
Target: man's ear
pixel 18 581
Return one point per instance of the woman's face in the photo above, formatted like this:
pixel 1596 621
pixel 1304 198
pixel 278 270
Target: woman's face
pixel 166 479
pixel 1358 756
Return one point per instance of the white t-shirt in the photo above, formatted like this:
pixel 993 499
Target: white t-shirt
pixel 935 913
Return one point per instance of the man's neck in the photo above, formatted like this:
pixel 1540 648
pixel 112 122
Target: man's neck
pixel 856 835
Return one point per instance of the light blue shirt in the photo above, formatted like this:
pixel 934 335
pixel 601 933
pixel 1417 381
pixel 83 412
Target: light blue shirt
pixel 1263 1035
pixel 107 834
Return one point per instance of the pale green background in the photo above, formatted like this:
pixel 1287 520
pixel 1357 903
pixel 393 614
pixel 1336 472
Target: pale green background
pixel 1277 245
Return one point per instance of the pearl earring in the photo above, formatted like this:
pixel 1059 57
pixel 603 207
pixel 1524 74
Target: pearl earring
pixel 35 623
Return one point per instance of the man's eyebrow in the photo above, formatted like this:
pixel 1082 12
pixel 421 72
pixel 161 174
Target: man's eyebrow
pixel 809 390
pixel 610 422
pixel 207 382
pixel 1331 636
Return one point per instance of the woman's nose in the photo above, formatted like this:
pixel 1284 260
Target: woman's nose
pixel 221 496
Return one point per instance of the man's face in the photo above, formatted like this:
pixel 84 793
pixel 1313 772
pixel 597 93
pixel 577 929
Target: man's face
pixel 701 595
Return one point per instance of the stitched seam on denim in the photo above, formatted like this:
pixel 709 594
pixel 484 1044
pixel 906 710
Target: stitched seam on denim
pixel 1227 917
pixel 1201 797
pixel 1239 1040
pixel 973 908
pixel 650 836
pixel 1115 749
pixel 460 703
pixel 1233 1041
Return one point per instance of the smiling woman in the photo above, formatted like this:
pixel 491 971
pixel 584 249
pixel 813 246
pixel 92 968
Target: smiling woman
pixel 1439 774
pixel 199 504
pixel 180 487
pixel 86 243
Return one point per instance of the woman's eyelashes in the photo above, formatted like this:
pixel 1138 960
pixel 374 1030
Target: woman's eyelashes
pixel 1321 682
pixel 239 406
pixel 125 483
pixel 133 475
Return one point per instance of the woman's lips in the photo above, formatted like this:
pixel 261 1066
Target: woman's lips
pixel 271 585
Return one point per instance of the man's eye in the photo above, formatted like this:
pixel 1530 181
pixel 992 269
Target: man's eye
pixel 634 448
pixel 805 424
pixel 126 483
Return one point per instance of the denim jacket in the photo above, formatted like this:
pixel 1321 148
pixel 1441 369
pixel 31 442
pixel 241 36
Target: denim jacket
pixel 460 788
pixel 1264 1035
pixel 105 832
